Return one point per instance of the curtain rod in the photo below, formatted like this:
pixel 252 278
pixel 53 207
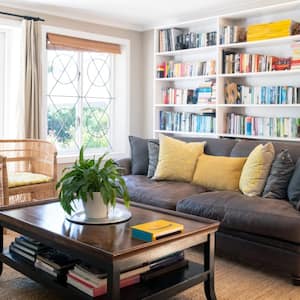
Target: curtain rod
pixel 21 16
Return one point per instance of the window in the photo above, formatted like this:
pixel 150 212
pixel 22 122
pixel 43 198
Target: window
pixel 86 93
pixel 80 100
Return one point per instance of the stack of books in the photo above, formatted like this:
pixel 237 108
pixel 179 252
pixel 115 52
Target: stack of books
pixel 262 126
pixel 232 34
pixel 295 62
pixel 271 30
pixel 204 122
pixel 170 69
pixel 54 262
pixel 26 247
pixel 94 282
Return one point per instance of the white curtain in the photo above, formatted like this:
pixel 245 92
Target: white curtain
pixel 32 80
pixel 12 88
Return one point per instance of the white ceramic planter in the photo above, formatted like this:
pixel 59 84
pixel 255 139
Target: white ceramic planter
pixel 95 208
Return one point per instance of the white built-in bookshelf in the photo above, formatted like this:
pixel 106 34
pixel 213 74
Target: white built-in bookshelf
pixel 266 113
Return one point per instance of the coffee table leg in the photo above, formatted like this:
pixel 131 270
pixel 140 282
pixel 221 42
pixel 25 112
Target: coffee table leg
pixel 1 248
pixel 114 283
pixel 209 265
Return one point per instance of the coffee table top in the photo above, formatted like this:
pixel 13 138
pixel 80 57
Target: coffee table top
pixel 47 220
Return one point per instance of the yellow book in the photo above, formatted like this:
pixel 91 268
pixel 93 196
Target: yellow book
pixel 269 30
pixel 154 230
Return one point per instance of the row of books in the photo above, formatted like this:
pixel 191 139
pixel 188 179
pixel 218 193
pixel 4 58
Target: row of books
pixel 204 94
pixel 240 94
pixel 295 62
pixel 176 39
pixel 88 279
pixel 93 282
pixel 170 69
pixel 232 34
pixel 262 126
pixel 187 121
pixel 246 62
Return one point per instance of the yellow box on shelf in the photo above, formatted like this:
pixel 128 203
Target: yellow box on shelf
pixel 271 30
pixel 154 230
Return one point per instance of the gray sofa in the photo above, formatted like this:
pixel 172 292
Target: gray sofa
pixel 254 230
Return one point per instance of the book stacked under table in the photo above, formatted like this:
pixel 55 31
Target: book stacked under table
pixel 86 278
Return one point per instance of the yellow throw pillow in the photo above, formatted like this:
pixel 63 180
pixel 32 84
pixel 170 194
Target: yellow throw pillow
pixel 177 159
pixel 219 172
pixel 256 169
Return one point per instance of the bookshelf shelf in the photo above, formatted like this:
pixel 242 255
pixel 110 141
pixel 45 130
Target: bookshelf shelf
pixel 260 105
pixel 190 51
pixel 204 105
pixel 262 50
pixel 262 43
pixel 260 137
pixel 262 74
pixel 187 133
pixel 201 78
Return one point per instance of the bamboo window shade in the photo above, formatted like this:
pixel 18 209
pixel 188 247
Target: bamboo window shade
pixel 64 42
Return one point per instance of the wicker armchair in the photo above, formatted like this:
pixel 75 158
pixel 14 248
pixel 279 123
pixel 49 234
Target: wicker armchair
pixel 20 158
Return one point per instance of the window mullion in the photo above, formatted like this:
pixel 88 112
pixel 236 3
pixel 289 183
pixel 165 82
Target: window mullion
pixel 79 131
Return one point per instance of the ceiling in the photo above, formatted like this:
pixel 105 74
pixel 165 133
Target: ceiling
pixel 136 14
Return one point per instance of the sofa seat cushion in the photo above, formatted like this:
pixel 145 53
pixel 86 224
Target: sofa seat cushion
pixel 26 178
pixel 256 215
pixel 163 194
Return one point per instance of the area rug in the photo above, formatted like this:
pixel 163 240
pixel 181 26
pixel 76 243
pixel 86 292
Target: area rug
pixel 233 282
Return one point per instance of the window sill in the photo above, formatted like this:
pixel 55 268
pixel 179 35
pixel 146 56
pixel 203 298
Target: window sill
pixel 68 159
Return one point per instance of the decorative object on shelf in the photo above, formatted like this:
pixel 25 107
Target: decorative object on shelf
pixel 92 180
pixel 232 94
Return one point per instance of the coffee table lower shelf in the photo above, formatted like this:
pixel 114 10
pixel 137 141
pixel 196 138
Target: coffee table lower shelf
pixel 165 285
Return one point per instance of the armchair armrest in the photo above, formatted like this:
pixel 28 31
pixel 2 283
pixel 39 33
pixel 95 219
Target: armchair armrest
pixel 3 181
pixel 125 165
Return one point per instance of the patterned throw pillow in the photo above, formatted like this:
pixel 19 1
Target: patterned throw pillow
pixel 281 171
pixel 153 151
pixel 256 170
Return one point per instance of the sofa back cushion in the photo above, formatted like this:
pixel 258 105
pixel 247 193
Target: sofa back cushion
pixel 281 171
pixel 294 187
pixel 244 147
pixel 256 170
pixel 177 159
pixel 139 155
pixel 218 172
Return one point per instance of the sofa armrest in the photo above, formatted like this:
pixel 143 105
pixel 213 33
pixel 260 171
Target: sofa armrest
pixel 125 165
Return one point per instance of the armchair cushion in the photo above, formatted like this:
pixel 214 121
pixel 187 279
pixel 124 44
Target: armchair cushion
pixel 26 178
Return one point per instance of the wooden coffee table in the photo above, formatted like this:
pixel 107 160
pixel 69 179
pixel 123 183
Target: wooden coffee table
pixel 111 248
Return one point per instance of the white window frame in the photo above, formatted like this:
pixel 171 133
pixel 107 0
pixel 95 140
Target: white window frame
pixel 121 88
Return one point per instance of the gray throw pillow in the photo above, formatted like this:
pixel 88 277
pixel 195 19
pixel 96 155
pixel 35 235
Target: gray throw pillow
pixel 294 187
pixel 280 175
pixel 153 150
pixel 139 155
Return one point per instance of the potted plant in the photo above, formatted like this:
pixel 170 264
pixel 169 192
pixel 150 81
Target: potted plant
pixel 97 183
